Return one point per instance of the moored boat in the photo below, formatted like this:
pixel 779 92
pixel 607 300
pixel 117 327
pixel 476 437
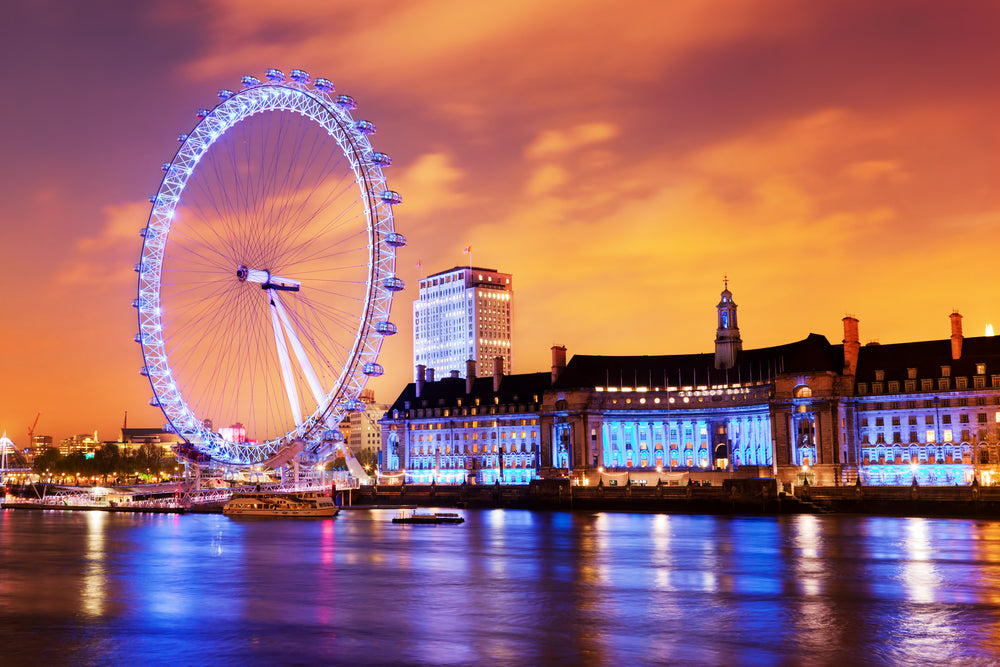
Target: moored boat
pixel 281 505
pixel 439 517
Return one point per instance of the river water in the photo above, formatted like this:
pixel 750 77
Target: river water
pixel 504 588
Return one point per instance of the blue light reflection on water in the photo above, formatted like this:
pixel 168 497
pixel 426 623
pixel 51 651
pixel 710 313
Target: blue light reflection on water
pixel 506 587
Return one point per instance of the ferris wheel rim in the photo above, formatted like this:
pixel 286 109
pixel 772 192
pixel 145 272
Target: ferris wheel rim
pixel 332 114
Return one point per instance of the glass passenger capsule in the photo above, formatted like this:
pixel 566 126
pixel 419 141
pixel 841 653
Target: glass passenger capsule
pixel 346 102
pixel 385 328
pixel 393 284
pixel 365 127
pixel 392 197
pixel 250 81
pixel 395 239
pixel 225 94
pixel 273 74
pixel 372 369
pixel 323 85
pixel 381 159
pixel 299 75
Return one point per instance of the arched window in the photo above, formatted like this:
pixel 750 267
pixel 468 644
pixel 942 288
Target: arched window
pixel 802 391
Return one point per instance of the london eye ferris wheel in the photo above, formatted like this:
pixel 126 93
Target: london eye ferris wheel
pixel 267 272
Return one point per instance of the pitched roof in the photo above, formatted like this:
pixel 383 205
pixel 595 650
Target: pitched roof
pixel 446 392
pixel 928 357
pixel 813 353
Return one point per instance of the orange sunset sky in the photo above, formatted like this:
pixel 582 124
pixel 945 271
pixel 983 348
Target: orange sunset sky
pixel 617 157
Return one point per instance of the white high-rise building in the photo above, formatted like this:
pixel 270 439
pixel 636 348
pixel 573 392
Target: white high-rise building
pixel 461 314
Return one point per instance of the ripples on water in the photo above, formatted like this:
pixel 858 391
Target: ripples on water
pixel 504 588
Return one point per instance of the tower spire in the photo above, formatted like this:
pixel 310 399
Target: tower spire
pixel 728 343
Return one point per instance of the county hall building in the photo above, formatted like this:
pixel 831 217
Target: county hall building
pixel 806 411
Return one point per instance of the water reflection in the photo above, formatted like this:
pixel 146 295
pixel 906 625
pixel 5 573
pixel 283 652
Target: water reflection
pixel 506 587
pixel 93 594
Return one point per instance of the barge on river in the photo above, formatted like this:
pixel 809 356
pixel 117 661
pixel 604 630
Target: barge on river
pixel 281 505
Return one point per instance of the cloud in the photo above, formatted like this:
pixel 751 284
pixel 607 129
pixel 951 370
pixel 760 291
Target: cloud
pixel 546 178
pixel 554 143
pixel 121 223
pixel 102 259
pixel 867 171
pixel 431 185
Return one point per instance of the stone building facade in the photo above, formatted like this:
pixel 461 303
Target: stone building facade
pixel 806 411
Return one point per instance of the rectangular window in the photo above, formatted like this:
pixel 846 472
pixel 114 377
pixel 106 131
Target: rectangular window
pixel 927 384
pixel 944 384
pixel 981 417
pixel 911 373
pixel 911 385
pixel 961 383
pixel 913 421
pixel 862 387
pixel 979 382
pixel 930 435
pixel 893 387
pixel 980 369
pixel 946 371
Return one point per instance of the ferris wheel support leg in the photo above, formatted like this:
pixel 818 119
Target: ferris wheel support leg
pixel 286 363
pixel 300 353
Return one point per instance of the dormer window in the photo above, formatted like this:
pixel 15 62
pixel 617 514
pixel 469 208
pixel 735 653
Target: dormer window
pixel 802 391
pixel 911 373
pixel 980 369
pixel 945 371
pixel 879 376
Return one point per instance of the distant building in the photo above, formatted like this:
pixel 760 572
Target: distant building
pixel 84 443
pixel 365 434
pixel 39 443
pixel 135 438
pixel 460 314
pixel 806 411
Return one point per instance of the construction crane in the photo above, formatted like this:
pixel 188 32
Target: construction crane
pixel 31 431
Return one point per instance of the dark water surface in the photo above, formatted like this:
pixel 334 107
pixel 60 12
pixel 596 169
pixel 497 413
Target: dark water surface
pixel 504 588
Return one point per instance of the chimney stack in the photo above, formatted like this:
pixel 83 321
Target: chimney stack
pixel 956 335
pixel 852 345
pixel 558 361
pixel 430 375
pixel 421 378
pixel 470 375
pixel 453 374
pixel 497 373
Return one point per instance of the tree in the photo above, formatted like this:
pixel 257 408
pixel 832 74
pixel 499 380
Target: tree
pixel 47 460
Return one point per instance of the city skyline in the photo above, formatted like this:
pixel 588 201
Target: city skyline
pixel 617 159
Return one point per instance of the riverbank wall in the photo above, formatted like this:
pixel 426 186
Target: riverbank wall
pixel 751 496
pixel 756 496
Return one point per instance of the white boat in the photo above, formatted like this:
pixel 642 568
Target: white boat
pixel 285 504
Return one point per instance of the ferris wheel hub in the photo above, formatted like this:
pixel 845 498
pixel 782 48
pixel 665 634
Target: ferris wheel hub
pixel 267 280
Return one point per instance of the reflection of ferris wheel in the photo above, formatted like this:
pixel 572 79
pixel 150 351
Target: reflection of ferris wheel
pixel 267 272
